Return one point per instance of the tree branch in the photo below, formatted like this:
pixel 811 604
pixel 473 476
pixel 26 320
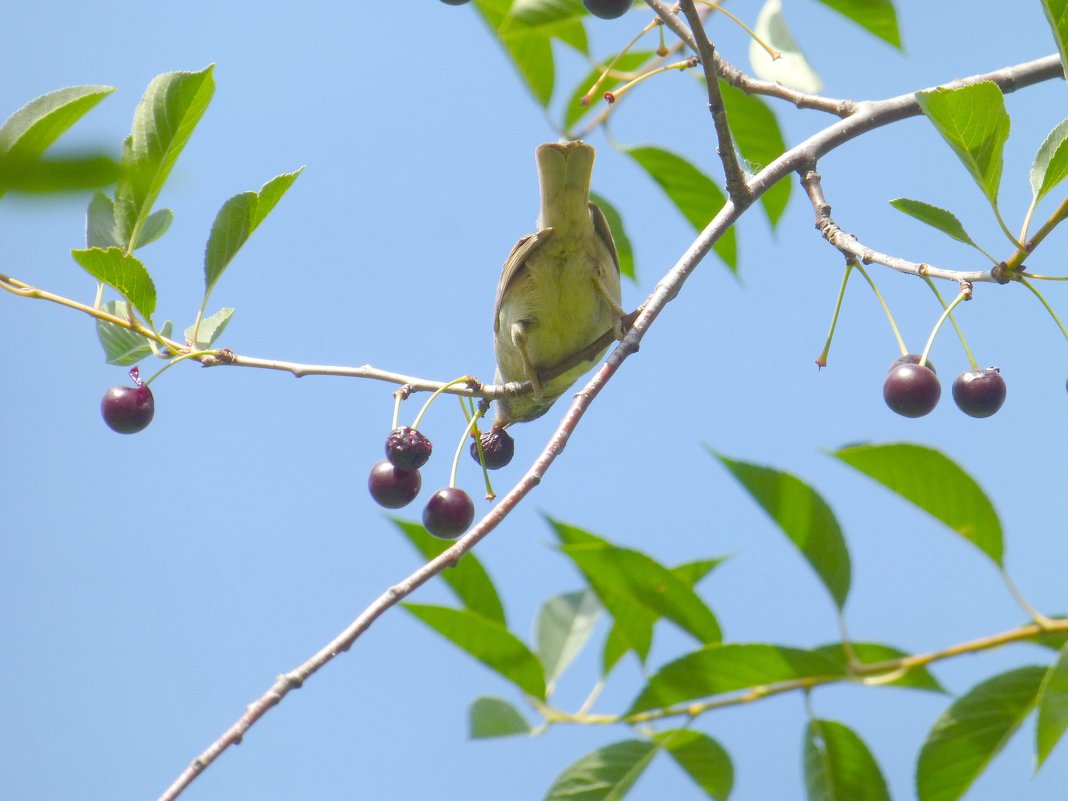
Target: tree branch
pixel 868 116
pixel 852 248
pixel 872 672
pixel 748 84
pixel 737 188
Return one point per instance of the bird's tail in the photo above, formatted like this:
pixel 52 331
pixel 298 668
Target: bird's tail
pixel 564 173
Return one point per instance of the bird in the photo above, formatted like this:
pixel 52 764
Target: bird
pixel 559 291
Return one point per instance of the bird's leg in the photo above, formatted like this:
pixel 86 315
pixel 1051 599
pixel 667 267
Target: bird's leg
pixel 617 311
pixel 519 339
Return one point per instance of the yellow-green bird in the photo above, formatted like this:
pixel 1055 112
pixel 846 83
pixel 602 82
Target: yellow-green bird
pixel 559 289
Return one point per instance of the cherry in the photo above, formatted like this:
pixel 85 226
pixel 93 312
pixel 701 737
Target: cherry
pixel 911 390
pixel 392 487
pixel 455 2
pixel 448 513
pixel 913 358
pixel 128 409
pixel 607 9
pixel 407 448
pixel 498 447
pixel 979 393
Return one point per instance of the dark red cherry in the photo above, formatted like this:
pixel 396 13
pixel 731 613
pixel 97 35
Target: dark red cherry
pixel 448 513
pixel 392 487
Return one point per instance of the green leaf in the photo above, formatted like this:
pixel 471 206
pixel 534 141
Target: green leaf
pixel 724 668
pixel 573 108
pixel 791 68
pixel 163 121
pixel 121 345
pixel 759 140
pixel 100 223
pixel 156 225
pixel 613 572
pixel 838 765
pixel 692 572
pixel 28 132
pixel 944 221
pixel 532 54
pixel 936 484
pixel 619 235
pixel 1051 162
pixel 633 622
pixel 235 222
pixel 1052 708
pixel 210 328
pixel 803 516
pixel 973 121
pixel 61 174
pixel 559 19
pixel 1057 16
pixel 467 578
pixel 878 17
pixel 487 641
pixel 564 624
pixel 606 774
pixel 615 646
pixel 972 731
pixel 494 717
pixel 124 273
pixel 918 678
pixel 693 193
pixel 703 759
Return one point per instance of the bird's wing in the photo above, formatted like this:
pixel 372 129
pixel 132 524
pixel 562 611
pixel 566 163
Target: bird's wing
pixel 600 227
pixel 514 265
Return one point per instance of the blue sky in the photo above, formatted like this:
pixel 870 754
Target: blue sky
pixel 152 585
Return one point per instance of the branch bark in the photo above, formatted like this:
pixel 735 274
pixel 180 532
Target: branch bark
pixel 867 116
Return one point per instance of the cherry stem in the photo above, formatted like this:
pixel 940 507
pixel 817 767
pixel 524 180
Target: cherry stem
pixel 397 400
pixel 689 63
pixel 195 354
pixel 419 417
pixel 611 64
pixel 1048 308
pixel 771 51
pixel 470 413
pixel 882 302
pixel 960 334
pixel 965 294
pixel 821 360
pixel 472 423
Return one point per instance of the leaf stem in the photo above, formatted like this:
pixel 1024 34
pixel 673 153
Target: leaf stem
pixel 1039 618
pixel 1005 229
pixel 1015 262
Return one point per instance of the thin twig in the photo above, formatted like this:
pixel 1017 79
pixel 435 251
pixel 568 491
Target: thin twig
pixel 748 84
pixel 852 247
pixel 737 188
pixel 871 672
pixel 868 117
